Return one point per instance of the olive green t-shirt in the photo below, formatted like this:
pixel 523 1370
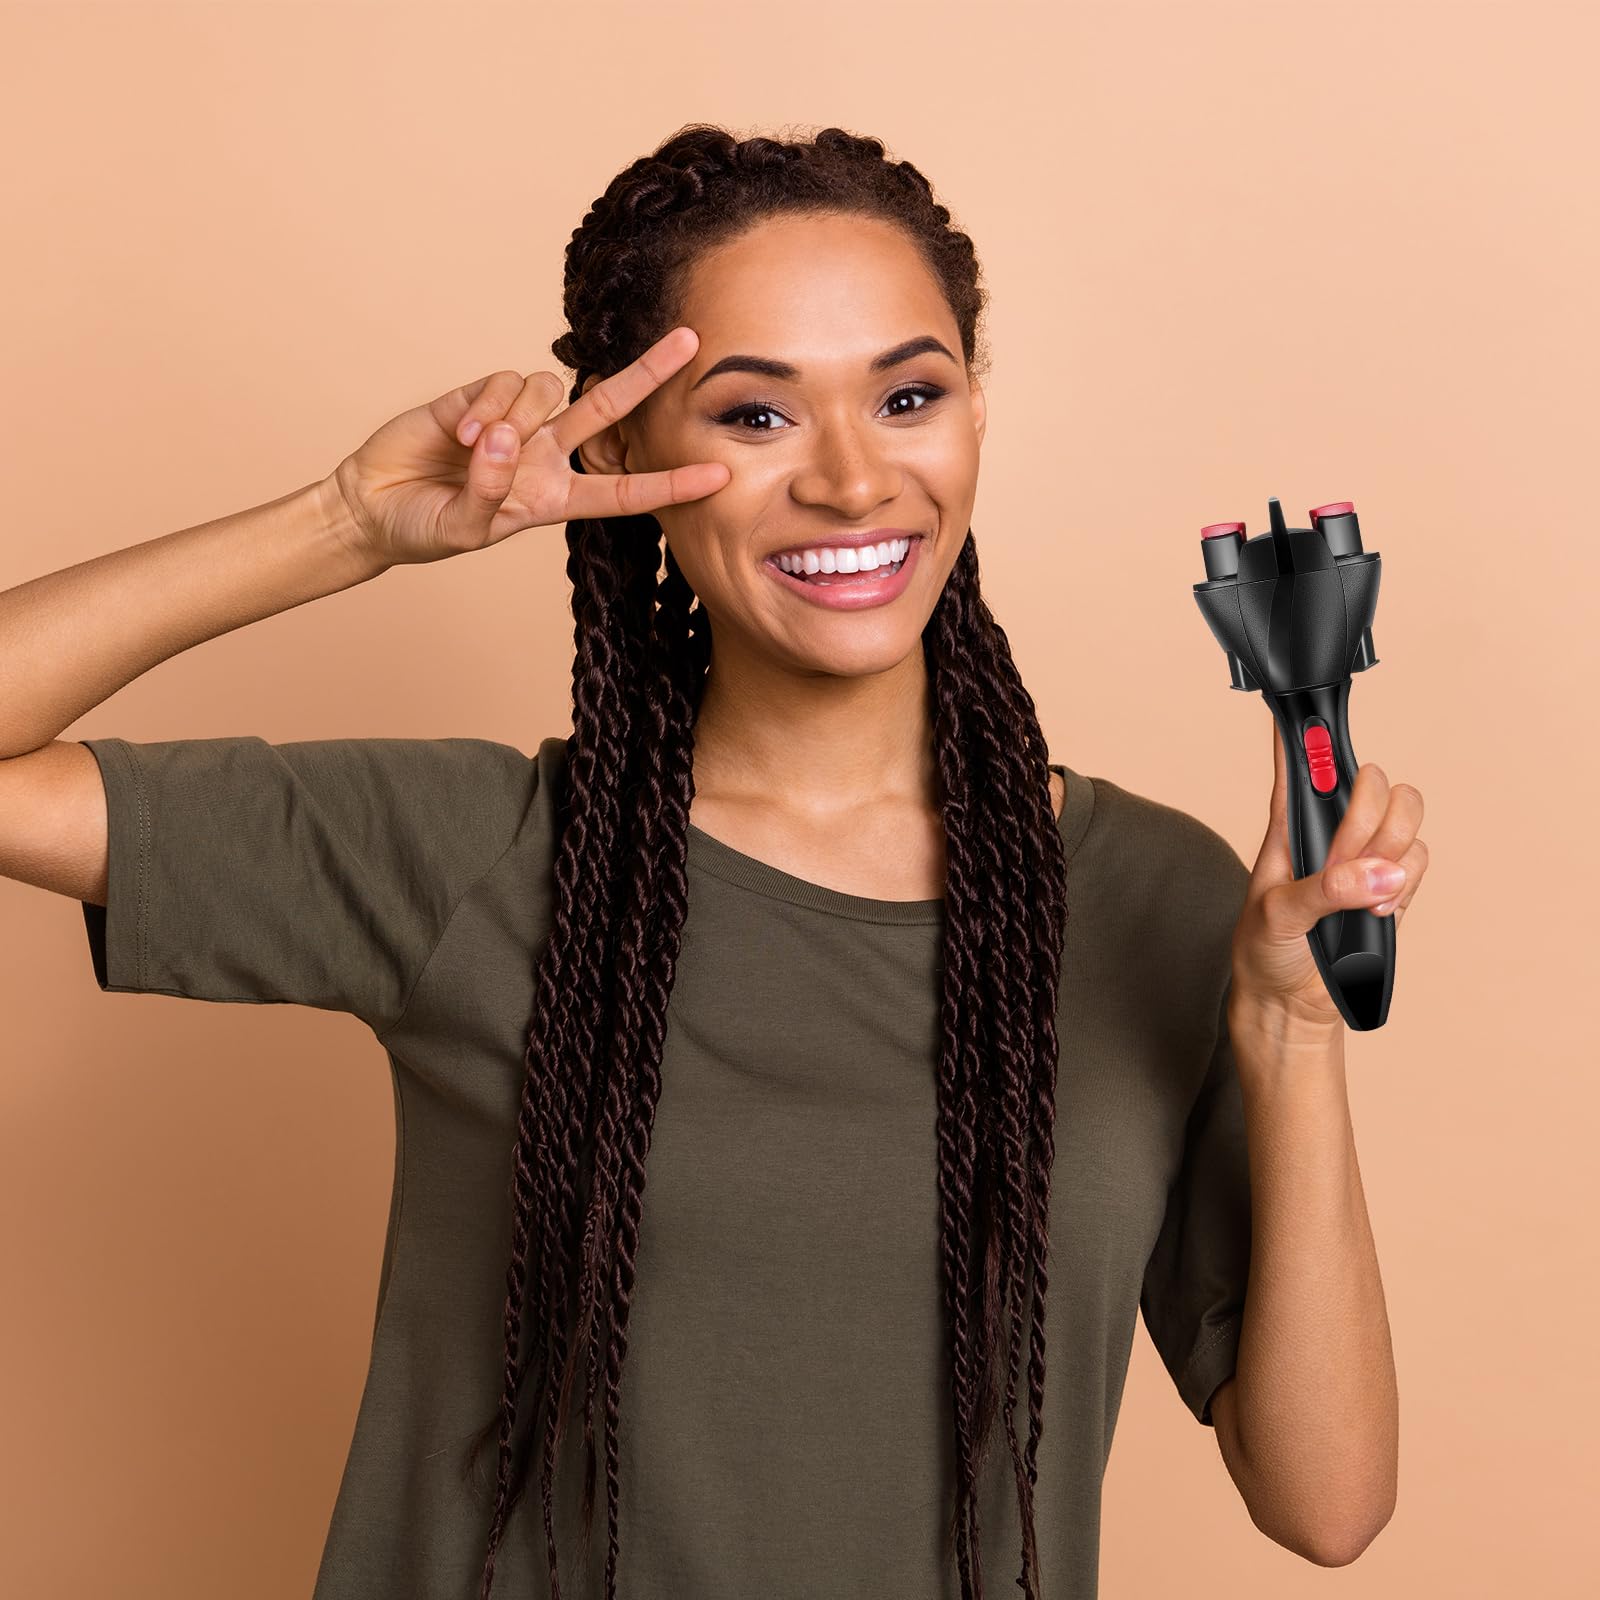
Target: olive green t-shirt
pixel 785 1419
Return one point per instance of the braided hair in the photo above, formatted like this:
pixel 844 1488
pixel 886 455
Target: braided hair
pixel 592 1067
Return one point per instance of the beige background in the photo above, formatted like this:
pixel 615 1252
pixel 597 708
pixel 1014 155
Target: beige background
pixel 1317 251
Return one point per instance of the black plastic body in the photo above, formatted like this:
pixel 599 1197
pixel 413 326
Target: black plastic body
pixel 1292 610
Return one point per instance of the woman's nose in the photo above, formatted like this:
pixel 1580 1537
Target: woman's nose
pixel 848 468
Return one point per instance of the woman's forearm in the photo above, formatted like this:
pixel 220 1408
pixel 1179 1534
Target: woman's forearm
pixel 1317 1404
pixel 72 638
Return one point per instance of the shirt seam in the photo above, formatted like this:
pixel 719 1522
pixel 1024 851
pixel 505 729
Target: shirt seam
pixel 141 899
pixel 930 918
pixel 927 919
pixel 1220 1332
pixel 1074 844
pixel 400 1194
pixel 433 950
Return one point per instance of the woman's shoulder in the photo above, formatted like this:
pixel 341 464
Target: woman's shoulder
pixel 1162 838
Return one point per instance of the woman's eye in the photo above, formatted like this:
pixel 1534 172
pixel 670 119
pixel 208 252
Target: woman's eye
pixel 759 409
pixel 929 392
pixel 926 392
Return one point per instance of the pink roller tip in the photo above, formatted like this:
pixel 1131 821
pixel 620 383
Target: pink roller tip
pixel 1215 530
pixel 1334 508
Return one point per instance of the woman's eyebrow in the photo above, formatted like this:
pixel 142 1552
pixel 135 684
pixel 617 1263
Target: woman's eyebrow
pixel 766 367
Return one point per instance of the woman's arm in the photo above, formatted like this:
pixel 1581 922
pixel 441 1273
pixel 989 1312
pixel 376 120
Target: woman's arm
pixel 72 638
pixel 1309 1427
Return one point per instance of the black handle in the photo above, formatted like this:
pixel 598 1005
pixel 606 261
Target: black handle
pixel 1354 950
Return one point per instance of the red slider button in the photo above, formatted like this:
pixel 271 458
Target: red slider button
pixel 1319 757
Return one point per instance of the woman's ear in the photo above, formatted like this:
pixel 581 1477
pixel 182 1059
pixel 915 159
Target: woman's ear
pixel 980 410
pixel 606 451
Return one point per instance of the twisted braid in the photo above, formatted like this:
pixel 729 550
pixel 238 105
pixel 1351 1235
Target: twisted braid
pixel 592 1068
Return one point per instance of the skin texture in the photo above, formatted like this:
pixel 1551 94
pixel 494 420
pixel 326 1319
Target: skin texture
pixel 814 749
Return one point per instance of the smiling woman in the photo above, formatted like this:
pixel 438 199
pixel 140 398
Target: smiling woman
pixel 814 708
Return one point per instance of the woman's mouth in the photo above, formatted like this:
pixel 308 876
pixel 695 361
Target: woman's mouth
pixel 850 591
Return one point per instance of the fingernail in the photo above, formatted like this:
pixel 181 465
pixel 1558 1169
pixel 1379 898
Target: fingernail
pixel 471 431
pixel 1385 879
pixel 499 442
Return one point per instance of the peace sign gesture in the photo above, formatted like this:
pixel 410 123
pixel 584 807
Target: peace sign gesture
pixel 432 482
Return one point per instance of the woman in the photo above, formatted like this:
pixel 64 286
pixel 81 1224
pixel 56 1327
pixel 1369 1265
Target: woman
pixel 786 914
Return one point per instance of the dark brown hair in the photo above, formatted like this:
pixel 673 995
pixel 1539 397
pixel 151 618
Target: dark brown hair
pixel 593 1059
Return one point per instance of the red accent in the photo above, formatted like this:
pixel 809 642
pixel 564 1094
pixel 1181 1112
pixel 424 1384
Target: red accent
pixel 1334 508
pixel 1319 755
pixel 1216 530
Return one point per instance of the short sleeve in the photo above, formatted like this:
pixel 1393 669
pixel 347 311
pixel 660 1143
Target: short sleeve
pixel 320 873
pixel 1194 1283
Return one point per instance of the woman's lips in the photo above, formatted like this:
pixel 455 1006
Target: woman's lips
pixel 860 591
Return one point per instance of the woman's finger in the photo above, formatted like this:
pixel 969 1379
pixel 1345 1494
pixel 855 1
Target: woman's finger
pixel 603 402
pixel 1402 821
pixel 1369 799
pixel 490 474
pixel 463 412
pixel 613 494
pixel 537 398
pixel 1415 861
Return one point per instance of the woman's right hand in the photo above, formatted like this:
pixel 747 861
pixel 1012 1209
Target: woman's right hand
pixel 425 486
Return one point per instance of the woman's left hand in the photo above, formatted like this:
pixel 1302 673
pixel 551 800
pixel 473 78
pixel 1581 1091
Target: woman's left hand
pixel 1274 973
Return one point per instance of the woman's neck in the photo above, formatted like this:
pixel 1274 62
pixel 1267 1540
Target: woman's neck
pixel 817 746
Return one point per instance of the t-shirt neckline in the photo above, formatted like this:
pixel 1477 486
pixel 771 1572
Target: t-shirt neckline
pixel 709 854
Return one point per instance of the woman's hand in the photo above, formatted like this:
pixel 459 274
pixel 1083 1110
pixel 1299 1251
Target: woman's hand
pixel 426 485
pixel 1275 977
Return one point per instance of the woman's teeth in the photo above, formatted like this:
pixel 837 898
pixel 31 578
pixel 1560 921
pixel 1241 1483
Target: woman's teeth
pixel 837 563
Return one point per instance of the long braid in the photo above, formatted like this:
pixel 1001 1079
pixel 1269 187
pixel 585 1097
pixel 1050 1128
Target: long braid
pixel 592 1068
pixel 575 1001
pixel 1023 939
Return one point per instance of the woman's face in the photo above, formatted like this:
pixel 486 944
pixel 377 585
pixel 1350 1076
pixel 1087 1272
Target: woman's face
pixel 836 445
